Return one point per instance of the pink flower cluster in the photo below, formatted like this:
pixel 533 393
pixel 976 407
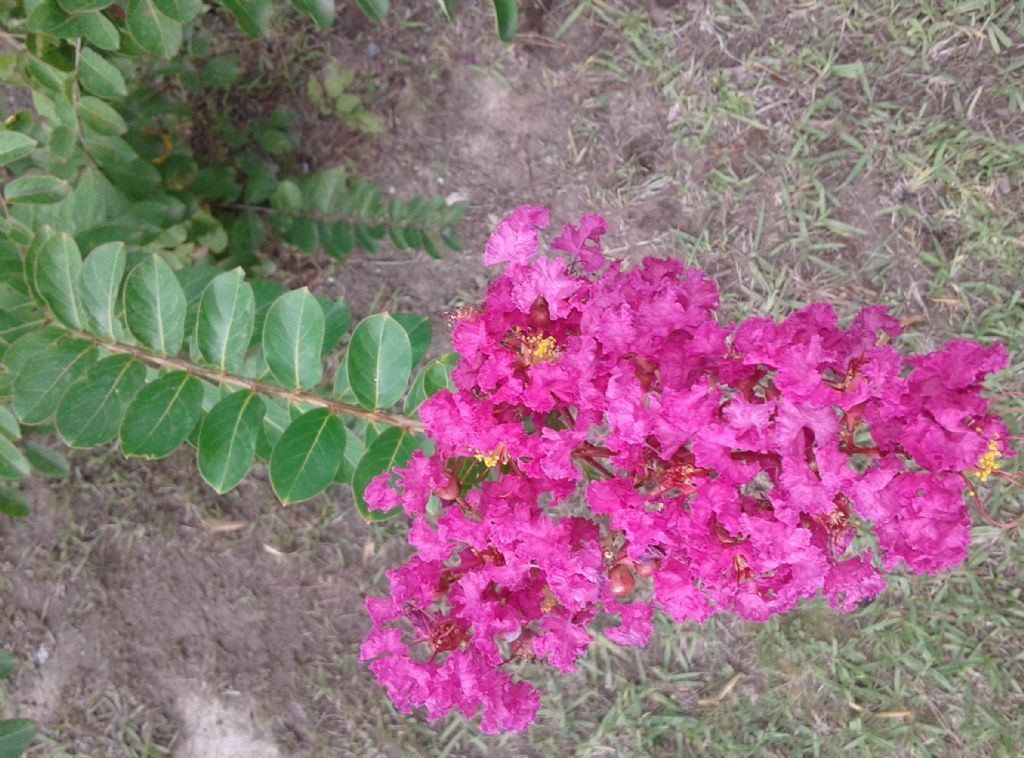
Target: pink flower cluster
pixel 612 448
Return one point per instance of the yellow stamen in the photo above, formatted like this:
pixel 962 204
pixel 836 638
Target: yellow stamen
pixel 988 462
pixel 539 348
pixel 493 458
pixel 550 602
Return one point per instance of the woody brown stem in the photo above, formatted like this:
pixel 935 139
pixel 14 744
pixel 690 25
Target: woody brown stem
pixel 255 385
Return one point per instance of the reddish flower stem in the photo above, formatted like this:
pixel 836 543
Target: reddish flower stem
pixel 981 508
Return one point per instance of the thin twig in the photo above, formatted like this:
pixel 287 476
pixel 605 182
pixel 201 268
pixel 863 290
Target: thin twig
pixel 231 380
pixel 981 509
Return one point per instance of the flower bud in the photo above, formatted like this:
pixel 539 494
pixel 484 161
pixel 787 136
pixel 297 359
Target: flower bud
pixel 647 569
pixel 540 316
pixel 451 490
pixel 621 579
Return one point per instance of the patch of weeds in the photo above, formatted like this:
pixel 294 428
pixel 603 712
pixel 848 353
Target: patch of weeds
pixel 331 93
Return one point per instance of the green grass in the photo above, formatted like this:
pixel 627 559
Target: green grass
pixel 856 152
pixel 860 153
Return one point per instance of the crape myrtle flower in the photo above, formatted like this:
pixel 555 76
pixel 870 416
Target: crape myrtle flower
pixel 634 453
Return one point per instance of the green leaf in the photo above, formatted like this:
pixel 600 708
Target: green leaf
pixel 224 325
pixel 100 117
pixel 100 77
pixel 266 293
pixel 98 30
pixel 14 146
pixel 6 659
pixel 80 6
pixel 293 336
pixel 91 411
pixel 447 8
pixel 434 377
pixel 48 17
pixel 392 448
pixel 28 346
pixel 9 426
pixel 180 10
pixel 36 189
pixel 375 9
pixel 506 13
pixel 162 415
pixel 307 456
pixel 39 385
pixel 287 197
pixel 252 15
pixel 337 238
pixel 337 78
pixel 47 461
pixel 15 737
pixel 152 30
pixel 221 73
pixel 227 442
pixel 13 464
pixel 419 331
pixel 337 318
pixel 379 361
pixel 354 450
pixel 100 280
pixel 321 11
pixel 13 504
pixel 155 306
pixel 57 277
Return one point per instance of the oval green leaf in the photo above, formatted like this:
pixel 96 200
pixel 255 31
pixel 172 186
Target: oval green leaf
pixel 91 411
pixel 354 450
pixel 224 325
pixel 419 330
pixel 14 146
pixel 100 117
pixel 293 336
pixel 433 378
pixel 99 76
pixel 321 11
pixel 227 441
pixel 81 6
pixel 101 277
pixel 99 30
pixel 392 448
pixel 40 384
pixel 162 415
pixel 155 306
pixel 15 736
pixel 36 189
pixel 252 15
pixel 337 318
pixel 180 10
pixel 9 426
pixel 379 361
pixel 307 456
pixel 375 9
pixel 57 277
pixel 47 461
pixel 13 504
pixel 154 32
pixel 13 464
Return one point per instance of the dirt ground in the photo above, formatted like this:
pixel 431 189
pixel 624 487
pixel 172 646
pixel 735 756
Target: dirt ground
pixel 150 625
pixel 146 629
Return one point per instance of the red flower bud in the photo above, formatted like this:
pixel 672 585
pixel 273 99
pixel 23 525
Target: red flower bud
pixel 451 490
pixel 622 581
pixel 540 316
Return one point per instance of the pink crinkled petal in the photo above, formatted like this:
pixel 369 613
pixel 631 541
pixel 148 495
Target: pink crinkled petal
pixel 516 240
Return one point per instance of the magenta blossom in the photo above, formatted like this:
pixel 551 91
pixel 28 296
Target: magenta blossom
pixel 612 449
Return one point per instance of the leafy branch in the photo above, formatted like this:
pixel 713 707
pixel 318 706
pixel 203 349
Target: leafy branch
pixel 295 397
